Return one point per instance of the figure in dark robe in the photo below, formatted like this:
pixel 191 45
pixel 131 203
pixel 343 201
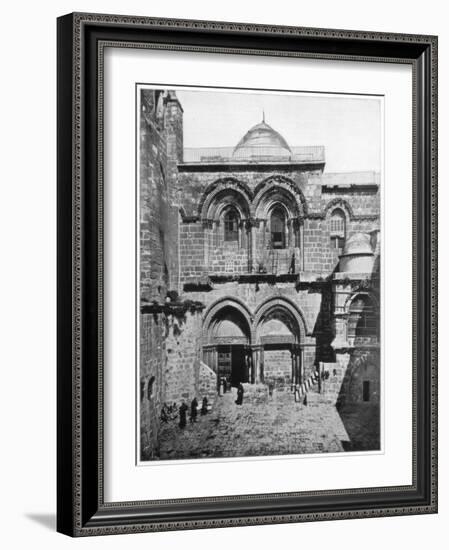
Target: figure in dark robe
pixel 204 406
pixel 240 392
pixel 183 415
pixel 292 264
pixel 193 410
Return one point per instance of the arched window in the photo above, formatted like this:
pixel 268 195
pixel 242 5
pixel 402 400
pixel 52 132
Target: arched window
pixel 363 321
pixel 231 225
pixel 277 225
pixel 338 229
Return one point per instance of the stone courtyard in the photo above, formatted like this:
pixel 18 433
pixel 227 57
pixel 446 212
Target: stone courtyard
pixel 270 425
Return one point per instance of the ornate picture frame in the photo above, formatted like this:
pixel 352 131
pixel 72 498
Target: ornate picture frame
pixel 82 509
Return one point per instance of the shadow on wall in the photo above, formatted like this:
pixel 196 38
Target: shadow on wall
pixel 358 402
pixel 359 398
pixel 323 330
pixel 362 424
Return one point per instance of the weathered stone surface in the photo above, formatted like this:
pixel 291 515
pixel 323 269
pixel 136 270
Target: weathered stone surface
pixel 291 310
pixel 275 425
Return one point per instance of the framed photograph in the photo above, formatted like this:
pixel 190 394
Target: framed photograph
pixel 247 278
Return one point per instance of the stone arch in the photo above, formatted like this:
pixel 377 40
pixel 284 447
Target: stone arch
pixel 227 338
pixel 341 204
pixel 280 189
pixel 363 321
pixel 229 188
pixel 337 219
pixel 224 202
pixel 220 305
pixel 277 220
pixel 289 307
pixel 370 294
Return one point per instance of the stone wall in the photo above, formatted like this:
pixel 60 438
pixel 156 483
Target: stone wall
pixel 228 258
pixel 308 301
pixel 194 181
pixel 207 384
pixel 351 374
pixel 158 215
pixel 204 251
pixel 277 367
pixel 361 209
pixel 151 395
pixel 192 251
pixel 183 358
pixel 160 144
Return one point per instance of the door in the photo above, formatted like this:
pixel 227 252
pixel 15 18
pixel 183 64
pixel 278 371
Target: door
pixel 239 369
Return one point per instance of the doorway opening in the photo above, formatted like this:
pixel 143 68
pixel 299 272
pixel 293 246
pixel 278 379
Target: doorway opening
pixel 232 364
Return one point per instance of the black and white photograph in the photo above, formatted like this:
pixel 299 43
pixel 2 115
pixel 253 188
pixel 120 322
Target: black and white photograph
pixel 220 306
pixel 258 224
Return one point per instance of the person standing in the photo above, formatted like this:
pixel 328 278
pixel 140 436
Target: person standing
pixel 240 392
pixel 204 406
pixel 193 410
pixel 183 415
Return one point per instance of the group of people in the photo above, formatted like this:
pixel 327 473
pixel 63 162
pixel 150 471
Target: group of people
pixel 204 407
pixel 193 411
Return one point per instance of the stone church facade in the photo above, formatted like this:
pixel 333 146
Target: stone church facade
pixel 256 266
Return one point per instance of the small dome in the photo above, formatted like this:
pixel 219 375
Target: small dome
pixel 358 255
pixel 262 141
pixel 359 243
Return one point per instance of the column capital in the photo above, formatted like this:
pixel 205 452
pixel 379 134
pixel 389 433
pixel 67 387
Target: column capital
pixel 207 223
pixel 256 347
pixel 251 222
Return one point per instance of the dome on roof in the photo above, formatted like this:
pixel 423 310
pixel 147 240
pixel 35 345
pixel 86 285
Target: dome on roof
pixel 358 255
pixel 262 141
pixel 359 243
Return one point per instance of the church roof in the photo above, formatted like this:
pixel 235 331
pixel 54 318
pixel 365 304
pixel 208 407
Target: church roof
pixel 260 145
pixel 262 141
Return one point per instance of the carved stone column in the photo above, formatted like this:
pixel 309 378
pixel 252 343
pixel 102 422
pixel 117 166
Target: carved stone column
pixel 296 365
pixel 208 237
pixel 257 362
pixel 301 365
pixel 251 225
pixel 290 240
pixel 250 365
pixel 293 379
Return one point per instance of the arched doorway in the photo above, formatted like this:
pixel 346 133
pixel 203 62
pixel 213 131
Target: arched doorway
pixel 227 350
pixel 278 335
pixel 363 321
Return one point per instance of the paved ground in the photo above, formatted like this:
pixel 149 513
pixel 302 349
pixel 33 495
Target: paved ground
pixel 266 426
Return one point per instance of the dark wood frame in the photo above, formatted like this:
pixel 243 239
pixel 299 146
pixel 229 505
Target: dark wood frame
pixel 81 508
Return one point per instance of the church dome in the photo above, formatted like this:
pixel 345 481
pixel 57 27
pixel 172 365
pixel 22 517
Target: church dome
pixel 261 141
pixel 358 255
pixel 359 243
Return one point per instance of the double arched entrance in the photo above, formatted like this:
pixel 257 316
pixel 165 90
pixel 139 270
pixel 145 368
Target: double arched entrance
pixel 264 346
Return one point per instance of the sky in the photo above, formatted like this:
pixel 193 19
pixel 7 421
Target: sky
pixel 348 126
